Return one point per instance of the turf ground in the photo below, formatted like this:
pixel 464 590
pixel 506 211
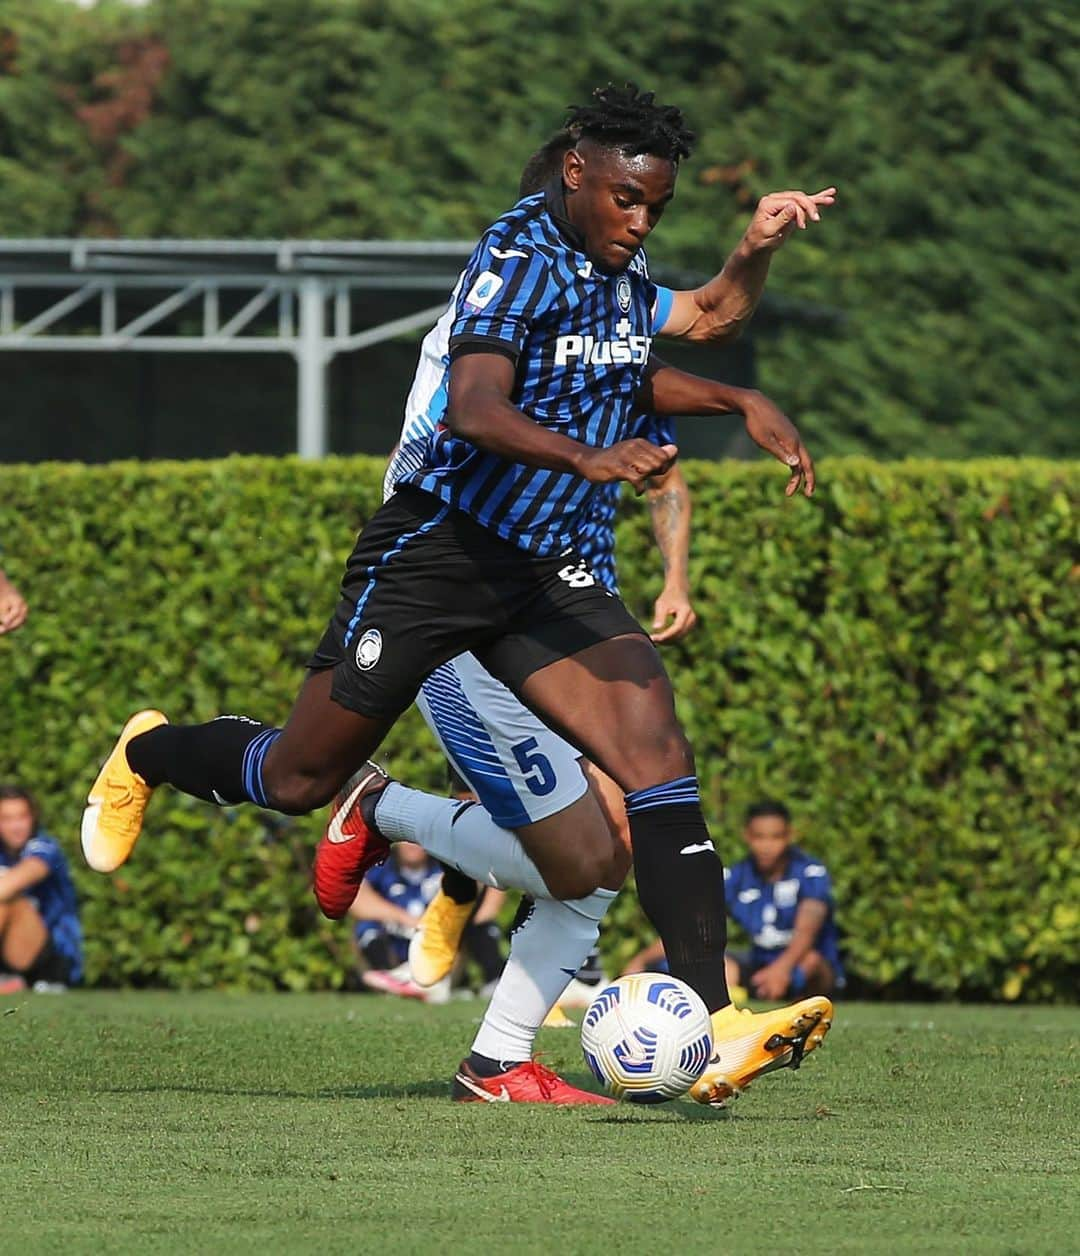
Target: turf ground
pixel 280 1123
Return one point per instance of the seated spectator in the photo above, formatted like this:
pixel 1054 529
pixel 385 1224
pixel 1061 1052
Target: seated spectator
pixel 389 902
pixel 782 898
pixel 387 907
pixel 40 935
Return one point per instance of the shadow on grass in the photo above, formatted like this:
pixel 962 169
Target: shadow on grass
pixel 419 1090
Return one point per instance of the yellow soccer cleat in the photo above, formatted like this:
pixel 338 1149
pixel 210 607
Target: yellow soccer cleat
pixel 557 1019
pixel 435 944
pixel 117 802
pixel 747 1044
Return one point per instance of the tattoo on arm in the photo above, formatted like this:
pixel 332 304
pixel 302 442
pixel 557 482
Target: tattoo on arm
pixel 666 508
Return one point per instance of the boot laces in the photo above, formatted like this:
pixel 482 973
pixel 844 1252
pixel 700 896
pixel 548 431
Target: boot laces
pixel 121 803
pixel 547 1080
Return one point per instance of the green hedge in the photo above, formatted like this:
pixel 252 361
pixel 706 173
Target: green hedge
pixel 897 658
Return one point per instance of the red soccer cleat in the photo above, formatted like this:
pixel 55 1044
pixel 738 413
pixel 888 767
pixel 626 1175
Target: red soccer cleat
pixel 530 1082
pixel 349 847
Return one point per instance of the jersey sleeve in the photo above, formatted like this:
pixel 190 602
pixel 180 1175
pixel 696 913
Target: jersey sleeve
pixel 47 849
pixel 815 882
pixel 661 308
pixel 504 291
pixel 659 428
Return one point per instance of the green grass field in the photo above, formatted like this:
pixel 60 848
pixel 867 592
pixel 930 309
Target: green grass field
pixel 202 1123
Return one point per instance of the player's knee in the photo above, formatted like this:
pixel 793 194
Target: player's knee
pixel 583 877
pixel 618 868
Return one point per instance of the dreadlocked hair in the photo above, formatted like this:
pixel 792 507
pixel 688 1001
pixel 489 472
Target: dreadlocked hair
pixel 631 121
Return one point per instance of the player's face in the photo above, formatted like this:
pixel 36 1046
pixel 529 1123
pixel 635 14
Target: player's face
pixel 16 823
pixel 768 838
pixel 615 200
pixel 409 855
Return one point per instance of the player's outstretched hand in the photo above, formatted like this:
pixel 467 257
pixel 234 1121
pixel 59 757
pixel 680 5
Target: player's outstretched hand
pixel 769 427
pixel 631 460
pixel 780 213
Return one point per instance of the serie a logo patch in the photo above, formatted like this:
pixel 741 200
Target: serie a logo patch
pixel 483 291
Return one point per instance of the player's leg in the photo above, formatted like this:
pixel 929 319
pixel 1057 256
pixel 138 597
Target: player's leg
pixel 405 566
pixel 23 935
pixel 528 779
pixel 523 776
pixel 229 760
pixel 611 698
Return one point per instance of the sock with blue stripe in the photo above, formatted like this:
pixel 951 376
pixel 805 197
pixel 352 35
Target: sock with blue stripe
pixel 218 762
pixel 680 884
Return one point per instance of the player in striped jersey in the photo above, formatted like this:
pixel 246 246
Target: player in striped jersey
pixel 549 359
pixel 485 731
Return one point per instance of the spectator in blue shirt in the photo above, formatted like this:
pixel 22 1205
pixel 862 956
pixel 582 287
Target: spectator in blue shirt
pixel 782 898
pixel 391 899
pixel 40 935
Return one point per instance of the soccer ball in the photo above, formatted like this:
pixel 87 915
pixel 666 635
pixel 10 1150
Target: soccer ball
pixel 647 1037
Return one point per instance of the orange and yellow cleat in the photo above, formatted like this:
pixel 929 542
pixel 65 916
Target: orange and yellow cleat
pixel 747 1044
pixel 435 944
pixel 116 804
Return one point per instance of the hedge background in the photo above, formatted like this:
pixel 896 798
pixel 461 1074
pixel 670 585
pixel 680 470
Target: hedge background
pixel 897 658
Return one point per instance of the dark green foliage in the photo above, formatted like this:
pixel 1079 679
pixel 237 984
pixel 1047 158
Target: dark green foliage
pixel 896 658
pixel 951 130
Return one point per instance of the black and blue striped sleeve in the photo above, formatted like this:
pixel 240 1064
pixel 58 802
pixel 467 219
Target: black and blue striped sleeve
pixel 504 292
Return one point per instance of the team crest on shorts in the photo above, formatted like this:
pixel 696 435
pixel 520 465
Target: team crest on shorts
pixel 369 649
pixel 623 293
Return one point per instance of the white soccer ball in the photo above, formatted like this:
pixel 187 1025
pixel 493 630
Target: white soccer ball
pixel 647 1037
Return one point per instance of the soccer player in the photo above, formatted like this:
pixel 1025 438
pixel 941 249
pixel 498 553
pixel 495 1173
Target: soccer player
pixel 476 551
pixel 481 725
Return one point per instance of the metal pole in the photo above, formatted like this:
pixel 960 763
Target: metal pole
pixel 311 360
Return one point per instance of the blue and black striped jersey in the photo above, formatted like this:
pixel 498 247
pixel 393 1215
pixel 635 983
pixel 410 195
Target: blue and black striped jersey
pixel 580 341
pixel 596 534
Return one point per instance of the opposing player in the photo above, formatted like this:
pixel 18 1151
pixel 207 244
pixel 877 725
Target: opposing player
pixel 549 355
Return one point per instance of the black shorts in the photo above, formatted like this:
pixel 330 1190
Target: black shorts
pixel 427 582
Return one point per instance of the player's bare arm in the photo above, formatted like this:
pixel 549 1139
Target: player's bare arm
pixel 480 411
pixel 772 981
pixel 667 390
pixel 722 307
pixel 17 880
pixel 668 496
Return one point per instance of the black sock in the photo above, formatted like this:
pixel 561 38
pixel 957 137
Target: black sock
pixel 681 889
pixel 591 973
pixel 218 762
pixel 458 886
pixel 484 944
pixel 485 1066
